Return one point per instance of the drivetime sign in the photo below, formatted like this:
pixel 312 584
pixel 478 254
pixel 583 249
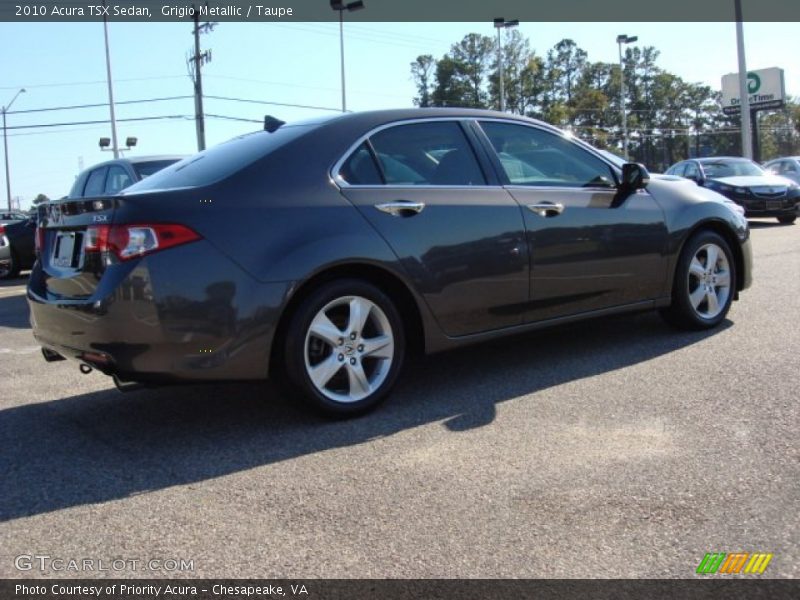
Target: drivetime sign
pixel 765 89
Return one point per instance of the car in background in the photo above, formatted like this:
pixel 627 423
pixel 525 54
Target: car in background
pixel 17 246
pixel 327 252
pixel 11 216
pixel 788 167
pixel 759 192
pixel 110 177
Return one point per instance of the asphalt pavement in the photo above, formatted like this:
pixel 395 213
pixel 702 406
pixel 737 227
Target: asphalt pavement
pixel 610 448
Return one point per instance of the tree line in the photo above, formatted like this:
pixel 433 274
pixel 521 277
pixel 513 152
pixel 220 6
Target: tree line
pixel 668 119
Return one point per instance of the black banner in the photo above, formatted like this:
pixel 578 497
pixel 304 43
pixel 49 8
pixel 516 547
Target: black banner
pixel 255 11
pixel 715 588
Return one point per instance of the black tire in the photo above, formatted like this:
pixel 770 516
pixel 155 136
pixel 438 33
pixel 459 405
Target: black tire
pixel 14 269
pixel 687 286
pixel 350 362
pixel 787 219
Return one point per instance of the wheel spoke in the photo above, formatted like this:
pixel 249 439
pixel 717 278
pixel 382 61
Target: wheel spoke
pixel 697 296
pixel 322 373
pixel 696 268
pixel 359 313
pixel 713 302
pixel 359 385
pixel 712 254
pixel 323 328
pixel 381 346
pixel 723 279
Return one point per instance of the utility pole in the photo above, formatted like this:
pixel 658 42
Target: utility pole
pixel 5 146
pixel 196 62
pixel 114 145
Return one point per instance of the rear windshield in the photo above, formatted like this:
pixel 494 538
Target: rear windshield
pixel 145 169
pixel 221 161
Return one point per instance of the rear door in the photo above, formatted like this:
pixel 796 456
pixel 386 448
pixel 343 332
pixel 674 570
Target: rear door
pixel 458 234
pixel 589 247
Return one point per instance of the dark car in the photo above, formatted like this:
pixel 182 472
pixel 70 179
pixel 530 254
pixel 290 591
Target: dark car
pixel 327 251
pixel 788 167
pixel 17 244
pixel 759 192
pixel 12 216
pixel 110 177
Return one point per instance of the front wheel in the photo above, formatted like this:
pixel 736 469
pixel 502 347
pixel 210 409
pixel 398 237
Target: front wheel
pixel 344 347
pixel 10 268
pixel 787 219
pixel 704 285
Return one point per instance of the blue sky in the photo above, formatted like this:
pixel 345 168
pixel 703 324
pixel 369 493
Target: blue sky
pixel 294 63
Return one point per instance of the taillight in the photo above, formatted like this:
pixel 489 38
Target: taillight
pixel 39 240
pixel 132 241
pixel 2 229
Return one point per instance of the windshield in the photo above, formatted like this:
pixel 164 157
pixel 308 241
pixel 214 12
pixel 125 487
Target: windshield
pixel 731 168
pixel 145 169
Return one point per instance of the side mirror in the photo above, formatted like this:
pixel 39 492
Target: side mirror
pixel 634 177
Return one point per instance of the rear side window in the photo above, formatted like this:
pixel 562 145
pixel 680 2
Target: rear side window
pixel 95 183
pixel 360 168
pixel 435 153
pixel 691 172
pixel 221 161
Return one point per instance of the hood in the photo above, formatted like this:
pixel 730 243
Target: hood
pixel 753 180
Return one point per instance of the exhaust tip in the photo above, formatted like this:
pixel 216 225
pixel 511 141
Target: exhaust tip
pixel 85 369
pixel 51 355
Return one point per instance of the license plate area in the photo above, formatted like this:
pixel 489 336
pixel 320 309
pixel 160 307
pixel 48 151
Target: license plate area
pixel 68 250
pixel 774 204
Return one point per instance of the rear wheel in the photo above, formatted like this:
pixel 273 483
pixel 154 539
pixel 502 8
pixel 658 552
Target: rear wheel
pixel 344 347
pixel 11 268
pixel 787 219
pixel 705 281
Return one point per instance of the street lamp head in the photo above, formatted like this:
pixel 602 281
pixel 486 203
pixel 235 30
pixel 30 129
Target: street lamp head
pixel 632 39
pixel 131 142
pixel 513 23
pixel 358 5
pixel 351 6
pixel 105 142
pixel 499 22
pixel 626 39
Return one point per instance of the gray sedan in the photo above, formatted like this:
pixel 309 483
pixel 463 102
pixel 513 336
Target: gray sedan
pixel 326 252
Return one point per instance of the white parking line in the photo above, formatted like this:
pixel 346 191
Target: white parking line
pixel 25 350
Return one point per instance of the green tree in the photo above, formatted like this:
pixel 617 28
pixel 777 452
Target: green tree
pixel 422 71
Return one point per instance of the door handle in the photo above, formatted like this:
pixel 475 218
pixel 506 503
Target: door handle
pixel 401 208
pixel 547 209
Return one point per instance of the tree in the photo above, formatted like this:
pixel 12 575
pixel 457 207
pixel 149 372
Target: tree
pixel 40 198
pixel 422 71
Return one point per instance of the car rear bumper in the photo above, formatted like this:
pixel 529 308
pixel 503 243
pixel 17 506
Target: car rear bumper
pixel 187 314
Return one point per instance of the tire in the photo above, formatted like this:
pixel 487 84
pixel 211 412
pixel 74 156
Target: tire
pixel 334 364
pixel 13 270
pixel 787 219
pixel 702 295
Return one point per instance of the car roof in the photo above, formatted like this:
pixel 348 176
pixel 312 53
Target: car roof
pixel 710 159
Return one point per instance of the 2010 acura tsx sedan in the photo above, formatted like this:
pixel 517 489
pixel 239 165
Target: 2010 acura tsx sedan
pixel 328 250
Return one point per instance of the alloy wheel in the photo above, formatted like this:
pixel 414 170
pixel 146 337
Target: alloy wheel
pixel 709 281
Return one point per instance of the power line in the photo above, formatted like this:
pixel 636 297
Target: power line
pixel 273 103
pixel 102 104
pixel 97 122
pixel 99 82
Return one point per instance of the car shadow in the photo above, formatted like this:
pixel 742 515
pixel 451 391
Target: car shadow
pixel 767 224
pixel 13 309
pixel 103 446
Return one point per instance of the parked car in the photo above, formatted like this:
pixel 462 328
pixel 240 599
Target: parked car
pixel 329 250
pixel 108 178
pixel 760 193
pixel 11 216
pixel 17 250
pixel 788 167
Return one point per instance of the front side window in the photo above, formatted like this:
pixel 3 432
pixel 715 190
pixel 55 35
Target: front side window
pixel 435 153
pixel 534 157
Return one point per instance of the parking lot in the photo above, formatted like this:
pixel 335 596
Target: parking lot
pixel 612 448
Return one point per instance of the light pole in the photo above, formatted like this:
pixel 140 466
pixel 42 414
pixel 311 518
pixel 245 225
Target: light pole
pixel 341 7
pixel 744 99
pixel 623 39
pixel 501 23
pixel 5 146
